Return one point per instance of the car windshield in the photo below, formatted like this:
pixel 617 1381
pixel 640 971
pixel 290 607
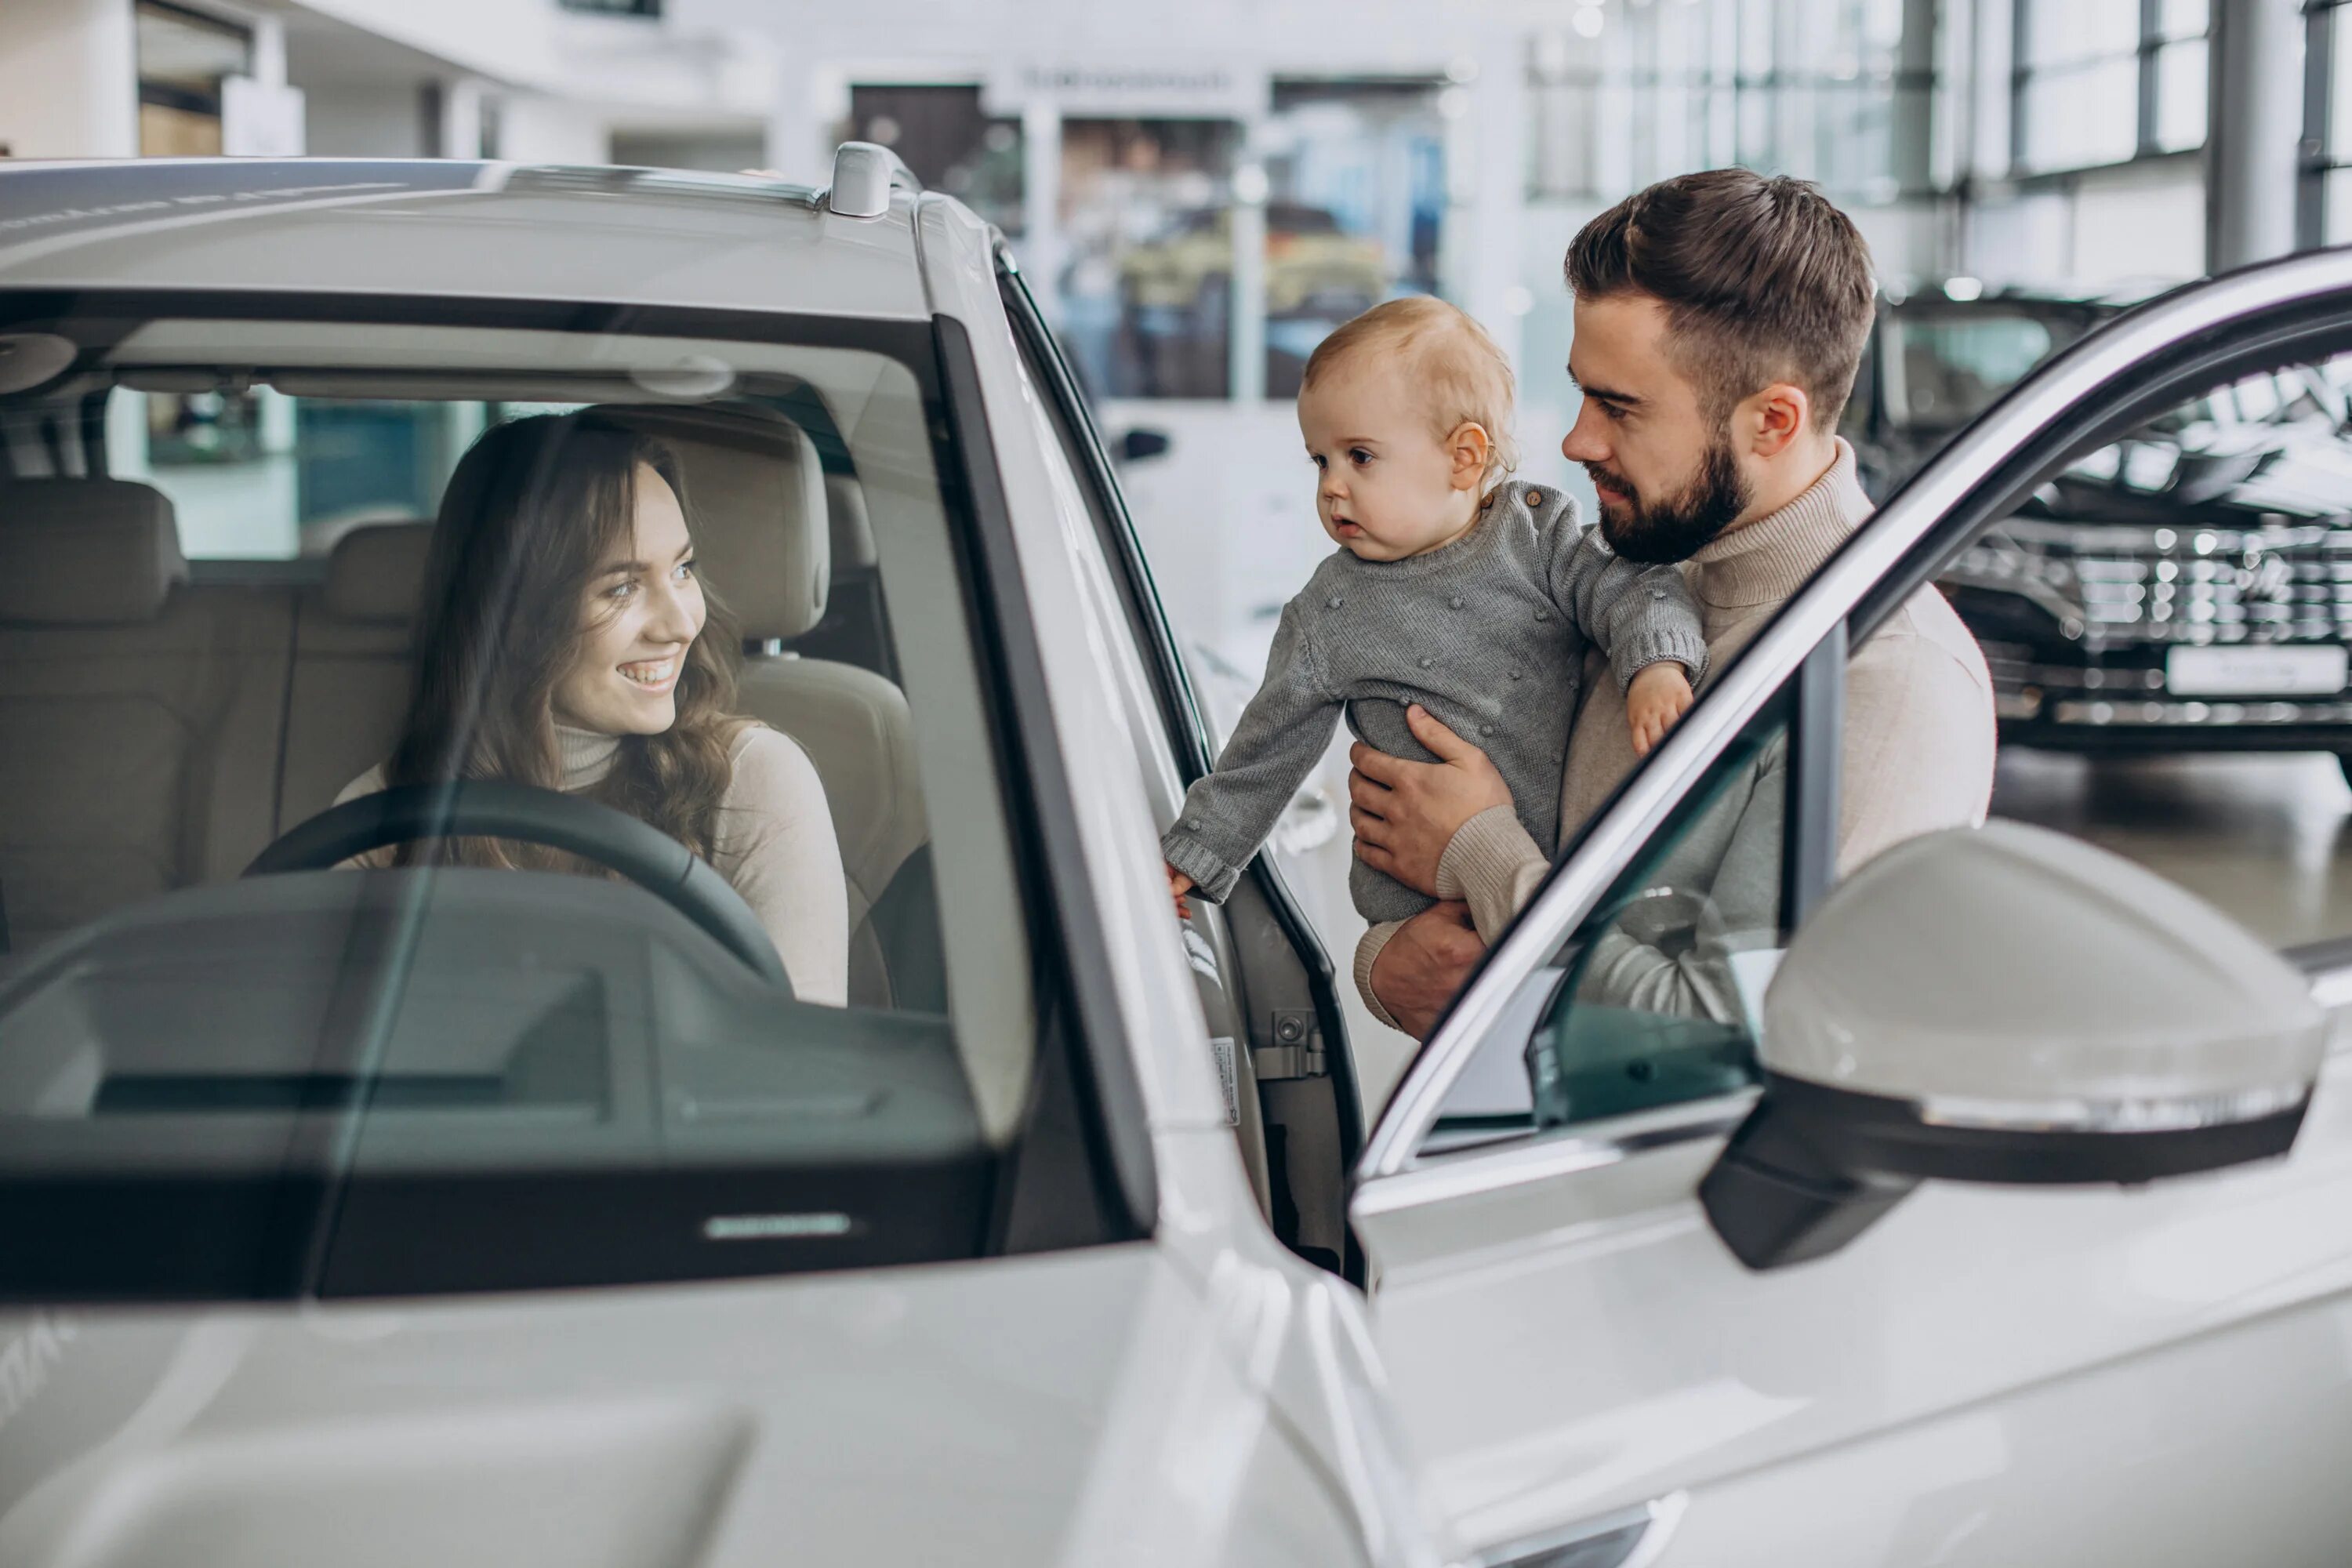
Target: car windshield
pixel 1942 367
pixel 365 675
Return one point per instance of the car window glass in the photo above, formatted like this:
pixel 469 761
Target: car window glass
pixel 2164 624
pixel 1942 371
pixel 788 683
pixel 1653 1000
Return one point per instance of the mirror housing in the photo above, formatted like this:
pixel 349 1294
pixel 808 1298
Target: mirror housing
pixel 2007 1004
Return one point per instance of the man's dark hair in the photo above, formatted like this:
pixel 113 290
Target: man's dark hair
pixel 1763 281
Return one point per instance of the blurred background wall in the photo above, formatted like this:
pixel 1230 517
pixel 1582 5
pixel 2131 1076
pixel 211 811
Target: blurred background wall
pixel 1199 193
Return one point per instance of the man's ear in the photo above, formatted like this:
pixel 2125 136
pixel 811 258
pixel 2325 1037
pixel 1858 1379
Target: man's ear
pixel 1469 446
pixel 1767 421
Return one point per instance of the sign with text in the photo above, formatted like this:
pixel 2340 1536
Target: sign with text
pixel 1160 88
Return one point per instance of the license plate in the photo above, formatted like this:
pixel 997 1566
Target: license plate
pixel 2316 671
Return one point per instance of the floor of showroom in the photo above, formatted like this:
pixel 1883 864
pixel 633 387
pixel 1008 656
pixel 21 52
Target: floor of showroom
pixel 2257 832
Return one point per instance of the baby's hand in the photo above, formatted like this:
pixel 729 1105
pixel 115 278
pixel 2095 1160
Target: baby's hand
pixel 1659 695
pixel 1179 885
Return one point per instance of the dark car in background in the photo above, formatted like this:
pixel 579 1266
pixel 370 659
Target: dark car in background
pixel 2189 589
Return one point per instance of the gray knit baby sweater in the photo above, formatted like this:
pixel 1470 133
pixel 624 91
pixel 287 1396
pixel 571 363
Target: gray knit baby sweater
pixel 1488 633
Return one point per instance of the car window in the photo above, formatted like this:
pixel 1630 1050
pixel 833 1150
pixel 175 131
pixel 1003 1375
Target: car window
pixel 497 1058
pixel 1653 1000
pixel 1940 370
pixel 2165 624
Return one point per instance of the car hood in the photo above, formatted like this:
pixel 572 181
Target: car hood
pixel 967 1413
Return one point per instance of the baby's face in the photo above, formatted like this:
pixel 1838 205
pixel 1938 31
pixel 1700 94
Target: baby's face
pixel 1389 487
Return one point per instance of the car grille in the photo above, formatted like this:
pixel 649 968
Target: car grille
pixel 2108 585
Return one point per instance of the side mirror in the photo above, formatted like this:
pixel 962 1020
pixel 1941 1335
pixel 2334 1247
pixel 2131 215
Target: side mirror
pixel 1142 442
pixel 2007 1004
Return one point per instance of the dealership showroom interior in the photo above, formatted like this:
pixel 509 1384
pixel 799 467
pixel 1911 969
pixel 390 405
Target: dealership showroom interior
pixel 1428 784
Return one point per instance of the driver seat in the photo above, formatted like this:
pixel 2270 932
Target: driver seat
pixel 756 492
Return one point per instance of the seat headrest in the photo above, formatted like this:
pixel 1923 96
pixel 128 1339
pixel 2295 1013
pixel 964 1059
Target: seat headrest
pixel 755 496
pixel 853 529
pixel 86 552
pixel 376 571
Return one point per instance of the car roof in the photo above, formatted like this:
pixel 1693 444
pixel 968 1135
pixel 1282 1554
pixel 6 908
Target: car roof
pixel 452 228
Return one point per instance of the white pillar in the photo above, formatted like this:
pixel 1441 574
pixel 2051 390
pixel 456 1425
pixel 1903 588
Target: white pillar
pixel 461 119
pixel 1245 319
pixel 1040 250
pixel 68 79
pixel 2254 131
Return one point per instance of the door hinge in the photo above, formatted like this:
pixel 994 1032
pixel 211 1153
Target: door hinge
pixel 1297 1048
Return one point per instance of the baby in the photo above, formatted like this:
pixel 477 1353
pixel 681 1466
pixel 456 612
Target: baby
pixel 1476 599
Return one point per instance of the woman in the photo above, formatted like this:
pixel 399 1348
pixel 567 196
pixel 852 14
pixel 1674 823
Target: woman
pixel 561 644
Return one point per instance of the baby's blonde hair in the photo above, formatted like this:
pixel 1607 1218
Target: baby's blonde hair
pixel 1458 368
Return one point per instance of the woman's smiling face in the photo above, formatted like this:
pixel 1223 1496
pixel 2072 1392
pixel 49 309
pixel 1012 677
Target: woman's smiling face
pixel 643 610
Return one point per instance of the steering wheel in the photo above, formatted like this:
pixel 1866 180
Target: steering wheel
pixel 490 808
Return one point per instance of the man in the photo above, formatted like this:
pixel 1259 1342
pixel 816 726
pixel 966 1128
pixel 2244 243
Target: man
pixel 1720 317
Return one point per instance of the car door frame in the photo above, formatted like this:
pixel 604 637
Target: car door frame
pixel 1290 939
pixel 2089 394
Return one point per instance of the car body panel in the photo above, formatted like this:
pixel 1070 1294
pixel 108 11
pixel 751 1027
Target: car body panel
pixel 1961 1299
pixel 452 228
pixel 1162 1011
pixel 1568 1338
pixel 1026 1411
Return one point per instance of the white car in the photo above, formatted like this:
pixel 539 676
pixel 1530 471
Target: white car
pixel 450 1216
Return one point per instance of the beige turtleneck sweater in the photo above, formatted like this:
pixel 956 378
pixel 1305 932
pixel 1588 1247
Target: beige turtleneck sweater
pixel 1918 756
pixel 775 846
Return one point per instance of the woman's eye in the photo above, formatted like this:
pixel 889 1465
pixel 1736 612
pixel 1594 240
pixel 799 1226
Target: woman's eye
pixel 620 590
pixel 684 569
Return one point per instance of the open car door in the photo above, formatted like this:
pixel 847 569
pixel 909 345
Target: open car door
pixel 1983 1255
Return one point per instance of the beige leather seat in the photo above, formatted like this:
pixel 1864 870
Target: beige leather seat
pixel 353 651
pixel 138 717
pixel 764 536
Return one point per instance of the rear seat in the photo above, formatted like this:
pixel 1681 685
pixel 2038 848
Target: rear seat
pixel 138 716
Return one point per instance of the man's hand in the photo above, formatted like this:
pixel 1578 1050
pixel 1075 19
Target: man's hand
pixel 1424 963
pixel 1405 813
pixel 1660 694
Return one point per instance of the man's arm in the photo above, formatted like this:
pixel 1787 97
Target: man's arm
pixel 1408 972
pixel 1717 892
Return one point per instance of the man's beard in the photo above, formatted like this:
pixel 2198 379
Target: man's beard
pixel 1676 527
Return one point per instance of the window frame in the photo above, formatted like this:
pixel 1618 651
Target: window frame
pixel 1054 1186
pixel 1065 409
pixel 2150 41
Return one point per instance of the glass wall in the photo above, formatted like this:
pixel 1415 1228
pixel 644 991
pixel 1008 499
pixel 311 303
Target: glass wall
pixel 1627 96
pixel 1145 289
pixel 183 56
pixel 1355 209
pixel 2103 82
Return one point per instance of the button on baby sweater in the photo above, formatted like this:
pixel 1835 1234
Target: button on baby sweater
pixel 1454 630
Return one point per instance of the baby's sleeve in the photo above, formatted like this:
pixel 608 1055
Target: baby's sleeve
pixel 1638 614
pixel 1228 814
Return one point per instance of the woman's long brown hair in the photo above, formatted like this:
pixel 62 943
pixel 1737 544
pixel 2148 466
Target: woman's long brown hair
pixel 535 508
